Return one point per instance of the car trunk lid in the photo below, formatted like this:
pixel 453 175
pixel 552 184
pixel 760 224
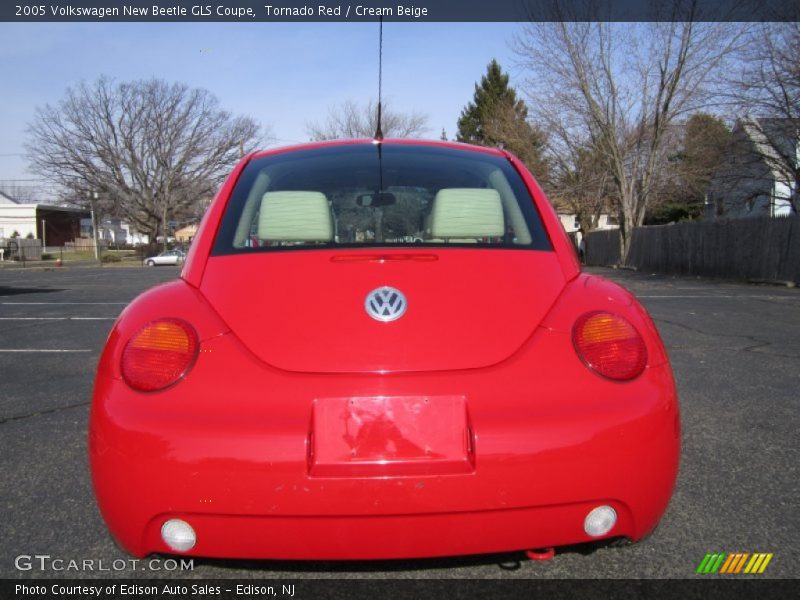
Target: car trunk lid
pixel 306 310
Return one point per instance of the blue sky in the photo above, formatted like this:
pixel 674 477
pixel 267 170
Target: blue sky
pixel 282 74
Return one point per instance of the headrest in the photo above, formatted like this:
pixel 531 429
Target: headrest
pixel 467 213
pixel 295 217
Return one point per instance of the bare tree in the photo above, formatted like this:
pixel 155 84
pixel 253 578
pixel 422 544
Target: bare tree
pixel 766 89
pixel 144 149
pixel 349 121
pixel 768 85
pixel 582 186
pixel 617 88
pixel 23 194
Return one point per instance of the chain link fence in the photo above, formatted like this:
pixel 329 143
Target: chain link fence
pixel 29 252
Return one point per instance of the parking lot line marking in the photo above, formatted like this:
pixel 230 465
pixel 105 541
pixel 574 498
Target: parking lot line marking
pixel 33 318
pixel 710 297
pixel 92 318
pixel 60 303
pixel 58 318
pixel 10 350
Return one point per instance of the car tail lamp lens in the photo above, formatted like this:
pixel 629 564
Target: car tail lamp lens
pixel 159 355
pixel 609 345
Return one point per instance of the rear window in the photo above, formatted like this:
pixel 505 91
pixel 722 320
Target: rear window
pixel 364 195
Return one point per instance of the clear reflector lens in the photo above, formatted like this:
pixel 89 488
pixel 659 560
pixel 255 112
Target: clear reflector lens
pixel 159 354
pixel 600 521
pixel 178 535
pixel 609 345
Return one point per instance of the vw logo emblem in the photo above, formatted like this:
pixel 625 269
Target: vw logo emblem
pixel 385 304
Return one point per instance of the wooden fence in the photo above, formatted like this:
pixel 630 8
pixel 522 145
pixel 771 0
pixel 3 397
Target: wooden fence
pixel 602 247
pixel 757 248
pixel 21 249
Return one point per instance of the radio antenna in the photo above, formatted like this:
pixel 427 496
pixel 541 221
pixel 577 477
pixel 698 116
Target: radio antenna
pixel 378 130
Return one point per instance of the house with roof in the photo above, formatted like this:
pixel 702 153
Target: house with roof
pixel 185 235
pixel 569 221
pixel 115 231
pixel 54 225
pixel 759 174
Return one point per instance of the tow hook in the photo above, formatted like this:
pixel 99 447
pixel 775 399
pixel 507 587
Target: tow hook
pixel 541 553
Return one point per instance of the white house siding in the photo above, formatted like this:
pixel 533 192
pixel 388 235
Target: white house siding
pixel 116 231
pixel 752 180
pixel 782 207
pixel 17 217
pixel 570 223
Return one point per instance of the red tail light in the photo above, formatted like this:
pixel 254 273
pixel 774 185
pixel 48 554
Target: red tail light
pixel 159 355
pixel 609 345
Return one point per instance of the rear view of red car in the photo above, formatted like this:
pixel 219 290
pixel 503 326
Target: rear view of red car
pixel 381 350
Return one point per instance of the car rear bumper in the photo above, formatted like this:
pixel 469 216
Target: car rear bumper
pixel 234 458
pixel 383 536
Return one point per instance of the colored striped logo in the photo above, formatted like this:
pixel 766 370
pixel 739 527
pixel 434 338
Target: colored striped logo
pixel 734 563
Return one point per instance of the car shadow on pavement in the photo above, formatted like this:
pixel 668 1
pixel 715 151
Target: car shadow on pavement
pixel 17 291
pixel 507 561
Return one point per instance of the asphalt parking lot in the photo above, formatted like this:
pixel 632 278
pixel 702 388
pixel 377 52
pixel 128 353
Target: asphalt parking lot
pixel 735 350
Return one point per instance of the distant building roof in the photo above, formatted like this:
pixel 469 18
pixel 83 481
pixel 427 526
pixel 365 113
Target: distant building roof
pixel 776 141
pixel 757 176
pixel 186 233
pixel 31 209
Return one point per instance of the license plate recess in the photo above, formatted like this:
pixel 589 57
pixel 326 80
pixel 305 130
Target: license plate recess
pixel 390 436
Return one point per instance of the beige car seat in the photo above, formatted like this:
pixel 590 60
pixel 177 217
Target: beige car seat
pixel 465 215
pixel 295 217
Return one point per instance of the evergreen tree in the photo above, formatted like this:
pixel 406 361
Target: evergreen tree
pixel 704 142
pixel 496 117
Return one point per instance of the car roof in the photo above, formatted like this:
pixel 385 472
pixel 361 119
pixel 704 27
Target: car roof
pixel 385 142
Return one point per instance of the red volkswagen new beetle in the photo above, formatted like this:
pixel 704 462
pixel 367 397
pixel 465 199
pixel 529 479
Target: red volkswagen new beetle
pixel 381 350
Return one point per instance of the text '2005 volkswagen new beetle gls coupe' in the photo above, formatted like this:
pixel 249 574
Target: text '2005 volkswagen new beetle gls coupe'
pixel 381 349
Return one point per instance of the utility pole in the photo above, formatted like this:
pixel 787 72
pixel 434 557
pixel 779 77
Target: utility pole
pixel 92 201
pixel 44 237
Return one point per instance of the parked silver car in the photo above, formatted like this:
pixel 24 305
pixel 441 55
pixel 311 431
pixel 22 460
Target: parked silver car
pixel 170 257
